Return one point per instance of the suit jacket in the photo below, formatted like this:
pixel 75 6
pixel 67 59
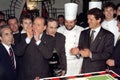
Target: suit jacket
pixel 19 59
pixel 17 37
pixel 101 49
pixel 7 71
pixel 60 48
pixel 116 57
pixel 35 57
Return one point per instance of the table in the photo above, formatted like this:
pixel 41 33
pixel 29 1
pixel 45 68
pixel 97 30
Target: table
pixel 101 75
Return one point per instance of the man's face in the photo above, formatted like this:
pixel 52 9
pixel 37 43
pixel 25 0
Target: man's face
pixel 109 13
pixel 7 36
pixel 2 17
pixel 118 24
pixel 26 23
pixel 70 24
pixel 2 23
pixel 13 25
pixel 61 20
pixel 51 28
pixel 93 23
pixel 118 11
pixel 38 25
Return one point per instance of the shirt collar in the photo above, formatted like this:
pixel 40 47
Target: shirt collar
pixel 40 35
pixel 6 47
pixel 15 32
pixel 97 29
pixel 23 31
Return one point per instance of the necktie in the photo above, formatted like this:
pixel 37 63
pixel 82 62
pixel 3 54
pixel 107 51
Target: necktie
pixel 12 57
pixel 92 36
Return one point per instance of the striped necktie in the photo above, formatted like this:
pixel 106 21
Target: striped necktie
pixel 92 36
pixel 12 57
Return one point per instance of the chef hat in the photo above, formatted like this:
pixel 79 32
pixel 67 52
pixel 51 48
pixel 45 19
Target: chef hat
pixel 95 4
pixel 70 11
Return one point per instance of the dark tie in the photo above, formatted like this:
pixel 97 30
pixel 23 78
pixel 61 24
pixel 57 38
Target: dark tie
pixel 92 36
pixel 12 57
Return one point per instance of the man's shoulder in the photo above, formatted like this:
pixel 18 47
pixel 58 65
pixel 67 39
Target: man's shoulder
pixel 61 28
pixel 59 34
pixel 1 45
pixel 2 49
pixel 79 28
pixel 106 31
pixel 47 36
pixel 86 30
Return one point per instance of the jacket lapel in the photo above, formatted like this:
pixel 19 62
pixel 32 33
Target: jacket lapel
pixel 5 56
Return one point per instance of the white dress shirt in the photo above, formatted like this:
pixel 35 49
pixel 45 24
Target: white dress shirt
pixel 37 43
pixel 23 31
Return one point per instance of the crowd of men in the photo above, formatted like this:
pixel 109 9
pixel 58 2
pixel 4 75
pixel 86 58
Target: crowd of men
pixel 40 48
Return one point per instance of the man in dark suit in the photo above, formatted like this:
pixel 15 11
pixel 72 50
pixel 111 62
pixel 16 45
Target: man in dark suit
pixel 114 61
pixel 36 49
pixel 7 58
pixel 95 47
pixel 13 23
pixel 25 21
pixel 59 45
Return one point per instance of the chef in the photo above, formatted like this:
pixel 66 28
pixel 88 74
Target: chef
pixel 72 33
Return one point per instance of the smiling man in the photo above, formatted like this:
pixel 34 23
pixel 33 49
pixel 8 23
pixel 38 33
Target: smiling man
pixel 7 57
pixel 72 32
pixel 96 49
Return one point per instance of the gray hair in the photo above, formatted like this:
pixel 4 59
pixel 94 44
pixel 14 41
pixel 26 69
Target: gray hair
pixel 2 27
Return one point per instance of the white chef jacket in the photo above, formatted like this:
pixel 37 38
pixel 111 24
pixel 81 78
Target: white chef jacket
pixel 72 40
pixel 112 27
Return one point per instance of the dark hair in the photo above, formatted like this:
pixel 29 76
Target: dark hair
pixel 25 17
pixel 108 4
pixel 2 27
pixel 118 5
pixel 12 17
pixel 118 18
pixel 2 14
pixel 2 20
pixel 61 16
pixel 97 13
pixel 51 20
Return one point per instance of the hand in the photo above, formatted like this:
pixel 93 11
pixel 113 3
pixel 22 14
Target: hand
pixel 36 35
pixel 63 73
pixel 30 32
pixel 74 51
pixel 37 78
pixel 110 62
pixel 85 52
